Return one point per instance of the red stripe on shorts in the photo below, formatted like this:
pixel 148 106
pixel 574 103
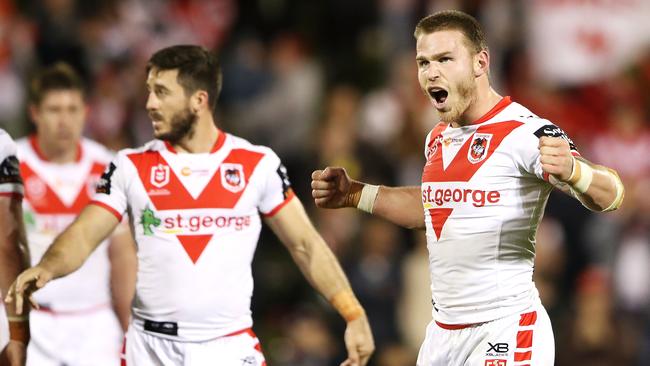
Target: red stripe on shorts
pixel 528 319
pixel 523 356
pixel 524 339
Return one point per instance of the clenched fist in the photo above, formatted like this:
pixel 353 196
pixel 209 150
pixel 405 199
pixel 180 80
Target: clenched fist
pixel 333 188
pixel 556 157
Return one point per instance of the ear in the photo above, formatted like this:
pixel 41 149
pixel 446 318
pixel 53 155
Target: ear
pixel 481 63
pixel 199 101
pixel 33 113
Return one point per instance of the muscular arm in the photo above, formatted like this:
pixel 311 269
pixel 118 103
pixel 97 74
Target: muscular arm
pixel 333 188
pixel 124 262
pixel 308 249
pixel 13 245
pixel 14 258
pixel 604 191
pixel 68 252
pixel 73 246
pixel 319 265
pixel 401 206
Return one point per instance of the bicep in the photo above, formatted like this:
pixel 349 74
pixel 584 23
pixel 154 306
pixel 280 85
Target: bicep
pixel 291 224
pixel 95 223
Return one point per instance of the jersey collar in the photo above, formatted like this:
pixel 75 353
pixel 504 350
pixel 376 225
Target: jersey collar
pixel 221 139
pixel 503 103
pixel 34 143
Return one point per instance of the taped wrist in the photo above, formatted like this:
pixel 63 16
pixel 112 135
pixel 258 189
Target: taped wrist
pixel 581 176
pixel 347 305
pixel 368 197
pixel 19 328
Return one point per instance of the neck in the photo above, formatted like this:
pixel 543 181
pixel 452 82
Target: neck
pixel 56 154
pixel 485 99
pixel 202 139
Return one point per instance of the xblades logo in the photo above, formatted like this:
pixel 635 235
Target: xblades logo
pixel 498 347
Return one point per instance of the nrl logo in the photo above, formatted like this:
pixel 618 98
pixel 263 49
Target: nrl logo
pixel 478 148
pixel 160 175
pixel 433 147
pixel 232 177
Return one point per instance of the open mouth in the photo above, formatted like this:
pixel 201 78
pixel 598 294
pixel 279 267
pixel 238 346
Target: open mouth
pixel 439 95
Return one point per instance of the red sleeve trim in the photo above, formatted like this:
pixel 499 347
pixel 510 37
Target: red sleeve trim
pixel 108 208
pixel 277 208
pixel 16 195
pixel 575 153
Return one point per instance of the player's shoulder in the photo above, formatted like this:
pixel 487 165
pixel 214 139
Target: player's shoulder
pixel 96 151
pixel 7 145
pixel 152 146
pixel 240 143
pixel 530 122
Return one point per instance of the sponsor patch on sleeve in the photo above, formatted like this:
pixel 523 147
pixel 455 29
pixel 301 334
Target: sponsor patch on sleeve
pixel 552 130
pixel 284 177
pixel 10 170
pixel 104 183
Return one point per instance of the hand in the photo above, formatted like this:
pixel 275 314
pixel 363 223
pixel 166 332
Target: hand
pixel 333 188
pixel 556 157
pixel 25 284
pixel 359 342
pixel 14 354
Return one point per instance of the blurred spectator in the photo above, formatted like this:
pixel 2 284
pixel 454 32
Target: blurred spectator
pixel 335 82
pixel 594 334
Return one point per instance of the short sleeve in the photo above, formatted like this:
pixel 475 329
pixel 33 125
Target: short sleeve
pixel 110 192
pixel 10 182
pixel 276 191
pixel 529 157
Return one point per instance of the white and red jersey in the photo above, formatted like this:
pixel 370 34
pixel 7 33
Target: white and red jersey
pixel 484 193
pixel 10 182
pixel 195 218
pixel 55 194
pixel 11 187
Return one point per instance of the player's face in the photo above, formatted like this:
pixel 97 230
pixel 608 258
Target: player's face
pixel 60 118
pixel 445 72
pixel 168 106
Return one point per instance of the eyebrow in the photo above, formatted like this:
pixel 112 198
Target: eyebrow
pixel 433 57
pixel 156 85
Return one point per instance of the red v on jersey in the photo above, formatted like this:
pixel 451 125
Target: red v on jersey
pixel 167 192
pixel 44 200
pixel 460 169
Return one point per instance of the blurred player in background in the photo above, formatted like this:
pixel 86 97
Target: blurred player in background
pixel 491 164
pixel 194 198
pixel 75 322
pixel 13 254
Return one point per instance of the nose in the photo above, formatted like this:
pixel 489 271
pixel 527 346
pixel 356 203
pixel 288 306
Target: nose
pixel 152 102
pixel 433 72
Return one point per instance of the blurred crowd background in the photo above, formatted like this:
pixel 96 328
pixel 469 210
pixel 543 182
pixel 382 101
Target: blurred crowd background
pixel 334 83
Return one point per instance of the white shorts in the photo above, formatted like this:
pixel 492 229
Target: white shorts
pixel 240 348
pixel 518 340
pixel 92 338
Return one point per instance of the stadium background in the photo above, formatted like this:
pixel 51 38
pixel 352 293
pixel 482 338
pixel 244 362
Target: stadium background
pixel 334 82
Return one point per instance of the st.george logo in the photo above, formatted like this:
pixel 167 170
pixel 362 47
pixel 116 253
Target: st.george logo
pixel 478 148
pixel 160 175
pixel 232 177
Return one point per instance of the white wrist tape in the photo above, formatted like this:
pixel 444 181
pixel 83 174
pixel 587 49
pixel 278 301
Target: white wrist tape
pixel 17 318
pixel 368 196
pixel 581 176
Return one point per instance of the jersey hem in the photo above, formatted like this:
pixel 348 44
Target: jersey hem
pixel 107 208
pixel 277 208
